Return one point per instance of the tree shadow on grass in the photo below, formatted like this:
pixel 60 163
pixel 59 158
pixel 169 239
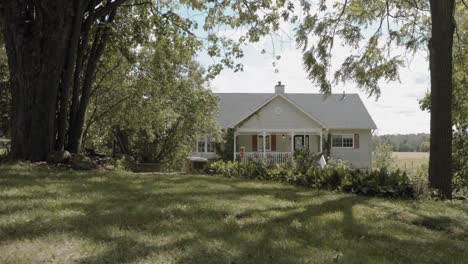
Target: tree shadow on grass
pixel 207 219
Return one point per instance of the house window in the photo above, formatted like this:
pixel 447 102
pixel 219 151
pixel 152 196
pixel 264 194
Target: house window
pixel 301 141
pixel 210 145
pixel 201 145
pixel 342 141
pixel 267 143
pixel 206 145
pixel 348 141
pixel 298 142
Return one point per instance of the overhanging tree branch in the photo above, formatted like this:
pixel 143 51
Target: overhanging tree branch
pixel 108 8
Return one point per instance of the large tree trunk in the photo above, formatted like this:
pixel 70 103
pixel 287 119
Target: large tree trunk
pixel 79 115
pixel 75 102
pixel 36 40
pixel 42 41
pixel 68 76
pixel 440 47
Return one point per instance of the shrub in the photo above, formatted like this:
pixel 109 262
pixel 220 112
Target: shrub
pixel 460 162
pixel 124 163
pixel 304 159
pixel 338 163
pixel 383 157
pixel 326 178
pixel 420 180
pixel 216 167
pixel 279 173
pixel 378 183
pixel 333 177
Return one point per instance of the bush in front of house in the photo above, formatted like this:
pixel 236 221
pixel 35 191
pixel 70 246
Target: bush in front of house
pixel 382 182
pixel 304 159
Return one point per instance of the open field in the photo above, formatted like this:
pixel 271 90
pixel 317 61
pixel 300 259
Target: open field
pixel 60 216
pixel 410 161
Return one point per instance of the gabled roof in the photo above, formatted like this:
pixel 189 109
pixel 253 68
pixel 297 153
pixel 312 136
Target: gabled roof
pixel 268 101
pixel 332 111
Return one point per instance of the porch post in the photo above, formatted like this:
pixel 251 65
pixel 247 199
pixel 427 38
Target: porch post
pixel 206 144
pixel 264 151
pixel 292 141
pixel 321 147
pixel 292 145
pixel 235 145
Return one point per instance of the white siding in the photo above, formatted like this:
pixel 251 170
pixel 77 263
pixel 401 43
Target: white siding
pixel 314 143
pixel 244 141
pixel 359 158
pixel 290 117
pixel 283 144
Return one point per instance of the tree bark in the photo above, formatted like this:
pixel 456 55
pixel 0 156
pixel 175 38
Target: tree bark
pixel 36 40
pixel 46 43
pixel 75 102
pixel 76 128
pixel 440 48
pixel 122 140
pixel 68 75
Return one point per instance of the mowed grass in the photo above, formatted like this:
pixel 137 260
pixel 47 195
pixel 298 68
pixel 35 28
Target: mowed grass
pixel 60 216
pixel 410 161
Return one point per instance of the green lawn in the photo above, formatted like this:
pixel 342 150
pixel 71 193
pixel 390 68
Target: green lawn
pixel 58 216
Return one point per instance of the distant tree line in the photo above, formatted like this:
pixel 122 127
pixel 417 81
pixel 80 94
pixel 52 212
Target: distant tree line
pixel 404 143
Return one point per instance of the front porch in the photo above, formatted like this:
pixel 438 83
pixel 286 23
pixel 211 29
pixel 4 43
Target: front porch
pixel 275 145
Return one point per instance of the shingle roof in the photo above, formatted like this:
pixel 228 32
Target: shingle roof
pixel 332 111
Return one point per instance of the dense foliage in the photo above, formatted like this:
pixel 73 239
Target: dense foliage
pixel 225 146
pixel 151 104
pixel 370 31
pixel 64 43
pixel 375 183
pixel 305 160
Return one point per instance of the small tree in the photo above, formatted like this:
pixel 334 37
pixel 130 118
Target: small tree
pixel 383 156
pixel 326 144
pixel 227 150
pixel 5 95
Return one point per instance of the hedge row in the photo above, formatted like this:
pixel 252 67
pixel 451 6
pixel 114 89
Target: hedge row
pixel 375 183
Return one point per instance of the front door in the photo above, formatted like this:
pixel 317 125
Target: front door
pixel 300 141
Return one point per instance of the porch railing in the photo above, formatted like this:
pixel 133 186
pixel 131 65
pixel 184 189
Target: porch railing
pixel 268 157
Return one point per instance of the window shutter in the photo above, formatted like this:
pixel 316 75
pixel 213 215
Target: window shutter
pixel 273 142
pixel 356 141
pixel 254 142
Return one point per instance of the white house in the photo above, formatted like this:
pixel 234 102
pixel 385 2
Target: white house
pixel 274 125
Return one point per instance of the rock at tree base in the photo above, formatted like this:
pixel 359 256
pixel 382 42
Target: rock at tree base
pixel 81 162
pixel 59 157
